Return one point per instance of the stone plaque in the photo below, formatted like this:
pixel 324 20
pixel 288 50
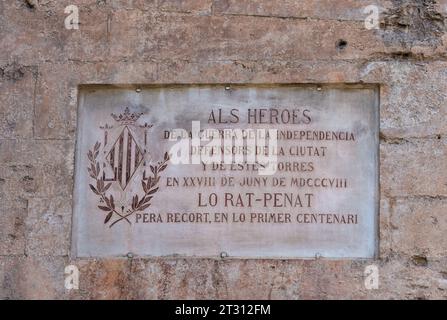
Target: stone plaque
pixel 227 171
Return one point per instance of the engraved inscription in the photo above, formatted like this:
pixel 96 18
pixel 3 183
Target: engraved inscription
pixel 268 172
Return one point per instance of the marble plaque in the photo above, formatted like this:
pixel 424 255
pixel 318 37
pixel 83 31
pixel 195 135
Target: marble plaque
pixel 227 171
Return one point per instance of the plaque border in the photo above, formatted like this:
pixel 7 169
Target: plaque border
pixel 82 89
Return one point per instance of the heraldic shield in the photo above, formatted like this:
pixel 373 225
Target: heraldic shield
pixel 116 159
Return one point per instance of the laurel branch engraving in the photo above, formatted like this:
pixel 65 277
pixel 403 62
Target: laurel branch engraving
pixel 107 202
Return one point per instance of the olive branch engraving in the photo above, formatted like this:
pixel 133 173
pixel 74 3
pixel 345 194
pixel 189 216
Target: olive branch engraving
pixel 107 202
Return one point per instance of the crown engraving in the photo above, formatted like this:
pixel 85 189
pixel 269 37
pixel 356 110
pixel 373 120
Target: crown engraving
pixel 126 117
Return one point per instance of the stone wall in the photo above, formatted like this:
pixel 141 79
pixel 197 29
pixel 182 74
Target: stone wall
pixel 220 41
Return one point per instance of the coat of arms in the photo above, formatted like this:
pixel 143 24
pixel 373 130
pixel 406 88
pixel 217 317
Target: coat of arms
pixel 118 162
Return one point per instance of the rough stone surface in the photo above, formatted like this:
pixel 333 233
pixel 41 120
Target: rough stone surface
pixel 220 41
pixel 412 220
pixel 427 154
pixel 12 234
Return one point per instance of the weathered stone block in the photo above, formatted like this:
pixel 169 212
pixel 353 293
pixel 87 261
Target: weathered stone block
pixel 261 38
pixel 55 112
pixel 103 279
pixel 17 89
pixel 413 167
pixel 32 277
pixel 48 226
pixel 413 98
pixel 186 6
pixel 42 168
pixel 12 231
pixel 180 278
pixel 397 279
pixel 385 228
pixel 419 226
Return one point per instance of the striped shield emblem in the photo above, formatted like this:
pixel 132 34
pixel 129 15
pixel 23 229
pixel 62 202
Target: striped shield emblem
pixel 125 157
